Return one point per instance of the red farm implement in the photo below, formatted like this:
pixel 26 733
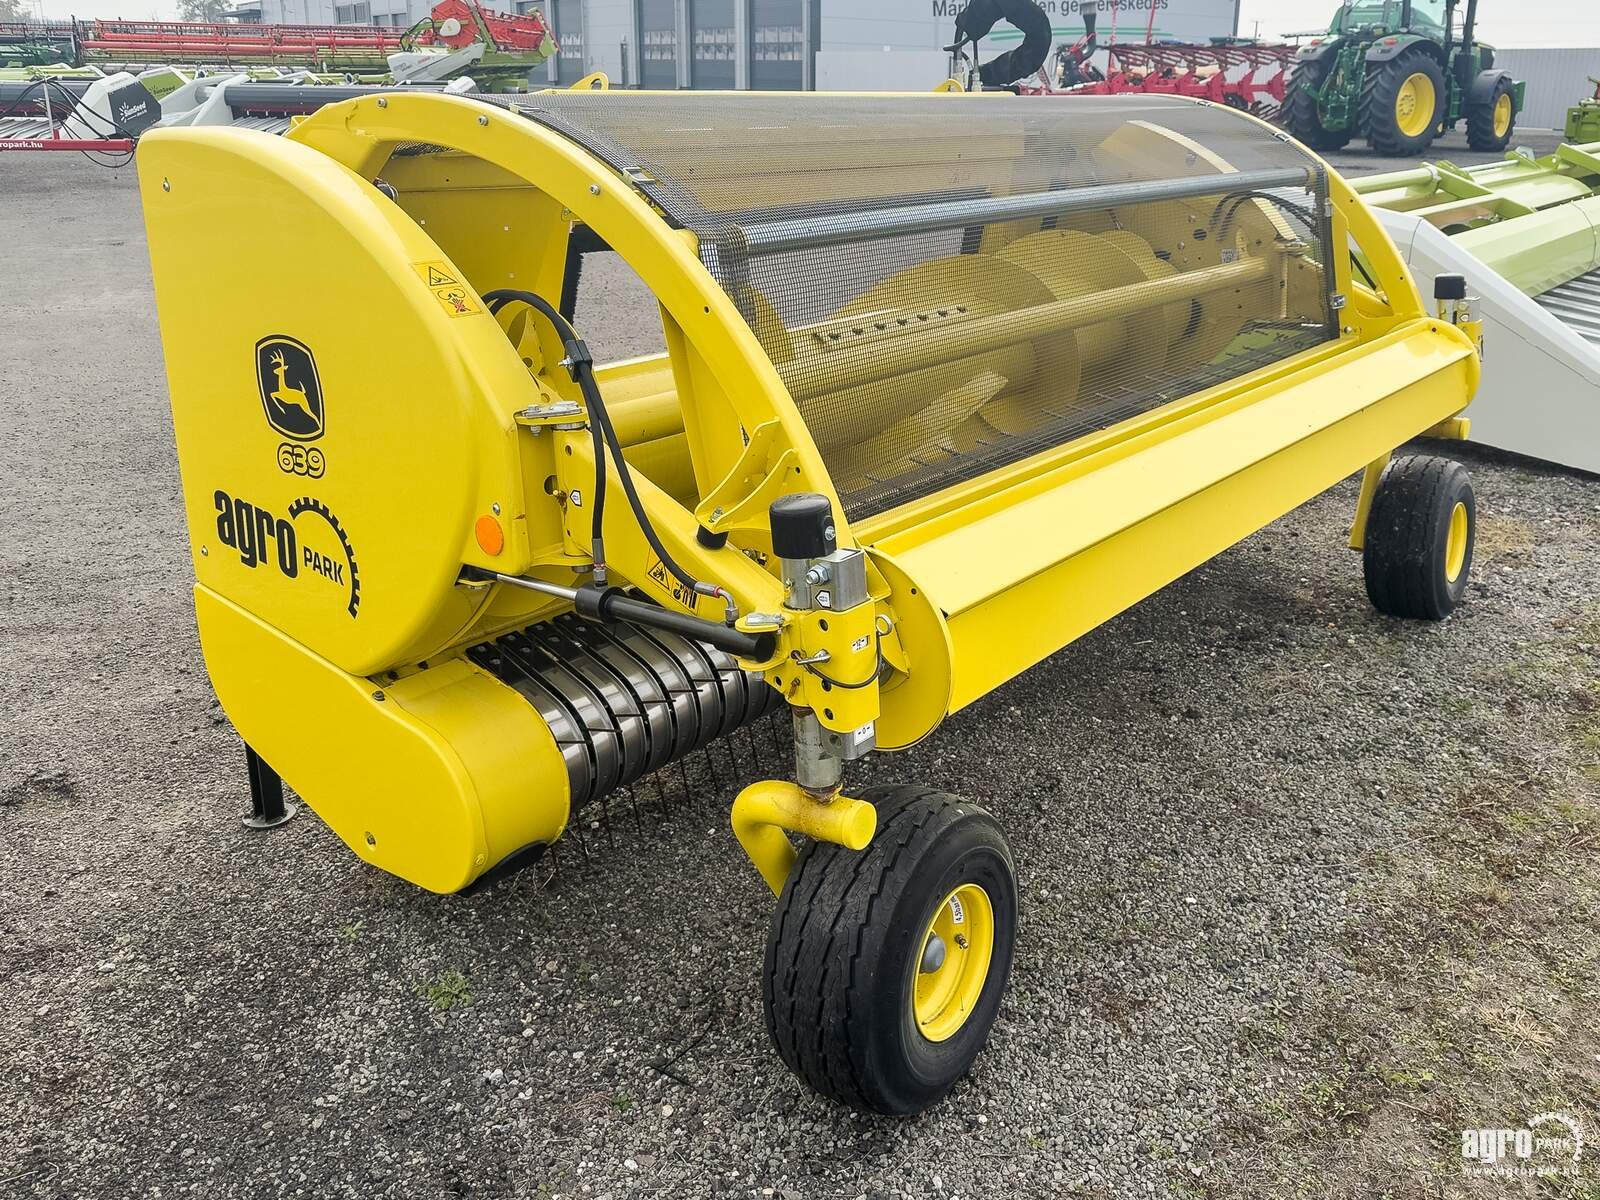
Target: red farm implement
pixel 1243 75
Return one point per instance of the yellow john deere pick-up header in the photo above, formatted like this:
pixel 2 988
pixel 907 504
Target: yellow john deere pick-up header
pixel 948 381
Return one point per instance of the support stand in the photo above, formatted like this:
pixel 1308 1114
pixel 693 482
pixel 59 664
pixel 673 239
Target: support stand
pixel 268 809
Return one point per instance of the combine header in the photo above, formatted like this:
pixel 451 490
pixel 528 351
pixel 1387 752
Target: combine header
pixel 947 384
pixel 1525 232
pixel 318 47
pixel 512 45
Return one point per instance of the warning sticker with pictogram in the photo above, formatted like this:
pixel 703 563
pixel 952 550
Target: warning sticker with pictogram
pixel 666 581
pixel 453 296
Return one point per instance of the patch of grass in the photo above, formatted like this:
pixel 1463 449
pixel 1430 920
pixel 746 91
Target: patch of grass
pixel 622 1102
pixel 450 990
pixel 1475 979
pixel 352 931
pixel 1496 535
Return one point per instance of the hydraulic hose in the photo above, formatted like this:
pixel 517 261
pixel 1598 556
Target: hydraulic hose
pixel 580 364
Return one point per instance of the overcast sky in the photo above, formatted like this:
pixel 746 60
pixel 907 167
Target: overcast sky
pixel 1504 22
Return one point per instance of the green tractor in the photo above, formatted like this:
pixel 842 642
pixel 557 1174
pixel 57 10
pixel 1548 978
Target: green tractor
pixel 1399 73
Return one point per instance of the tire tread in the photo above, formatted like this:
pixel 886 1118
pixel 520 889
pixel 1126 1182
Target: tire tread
pixel 1375 115
pixel 1402 556
pixel 1480 122
pixel 823 1047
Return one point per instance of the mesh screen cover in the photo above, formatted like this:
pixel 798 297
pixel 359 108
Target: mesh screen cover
pixel 948 285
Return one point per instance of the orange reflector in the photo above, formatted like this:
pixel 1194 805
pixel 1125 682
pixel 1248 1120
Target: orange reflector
pixel 491 538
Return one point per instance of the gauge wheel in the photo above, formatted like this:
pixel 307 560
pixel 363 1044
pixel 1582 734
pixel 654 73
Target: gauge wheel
pixel 1402 102
pixel 1492 120
pixel 1301 116
pixel 1419 538
pixel 885 967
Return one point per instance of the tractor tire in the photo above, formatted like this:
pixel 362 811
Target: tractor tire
pixel 1298 114
pixel 1402 103
pixel 1419 538
pixel 1492 120
pixel 885 967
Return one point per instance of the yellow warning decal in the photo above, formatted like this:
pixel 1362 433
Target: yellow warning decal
pixel 667 582
pixel 452 294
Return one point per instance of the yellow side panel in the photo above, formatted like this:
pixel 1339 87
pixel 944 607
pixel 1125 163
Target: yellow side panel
pixel 436 782
pixel 1005 632
pixel 341 400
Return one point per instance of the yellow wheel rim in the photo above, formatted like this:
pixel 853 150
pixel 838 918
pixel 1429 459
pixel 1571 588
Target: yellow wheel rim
pixel 954 962
pixel 1413 105
pixel 1502 115
pixel 1455 546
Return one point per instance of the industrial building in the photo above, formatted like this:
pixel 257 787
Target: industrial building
pixel 771 44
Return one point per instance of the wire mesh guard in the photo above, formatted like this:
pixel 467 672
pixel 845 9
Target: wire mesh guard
pixel 950 285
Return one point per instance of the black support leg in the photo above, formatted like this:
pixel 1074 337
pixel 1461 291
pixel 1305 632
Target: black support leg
pixel 268 808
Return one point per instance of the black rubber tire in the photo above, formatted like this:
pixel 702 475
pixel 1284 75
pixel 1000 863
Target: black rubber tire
pixel 1378 95
pixel 842 954
pixel 1298 113
pixel 1408 534
pixel 1480 119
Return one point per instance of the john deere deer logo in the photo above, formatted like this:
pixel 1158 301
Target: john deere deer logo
pixel 291 393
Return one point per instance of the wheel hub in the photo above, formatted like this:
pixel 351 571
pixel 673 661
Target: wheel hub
pixel 1455 547
pixel 1502 115
pixel 1413 105
pixel 933 955
pixel 957 947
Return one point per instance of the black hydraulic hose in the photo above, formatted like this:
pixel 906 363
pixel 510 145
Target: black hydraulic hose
pixel 1304 214
pixel 580 363
pixel 613 604
pixel 582 370
pixel 618 607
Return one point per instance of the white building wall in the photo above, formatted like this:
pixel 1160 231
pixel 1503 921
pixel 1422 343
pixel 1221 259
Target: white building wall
pixel 881 45
pixel 1557 79
pixel 606 26
pixel 403 13
pixel 931 24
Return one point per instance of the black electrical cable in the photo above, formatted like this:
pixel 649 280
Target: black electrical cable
pixel 877 671
pixel 75 107
pixel 21 97
pixel 582 370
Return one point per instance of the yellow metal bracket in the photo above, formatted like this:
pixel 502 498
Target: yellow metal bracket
pixel 835 671
pixel 766 812
pixel 757 478
pixel 1369 487
pixel 1455 429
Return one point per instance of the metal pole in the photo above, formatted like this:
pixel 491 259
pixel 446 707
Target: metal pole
pixel 772 237
pixel 819 372
pixel 268 808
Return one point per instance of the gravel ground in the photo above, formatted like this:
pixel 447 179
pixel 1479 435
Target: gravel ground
pixel 1307 891
pixel 1356 159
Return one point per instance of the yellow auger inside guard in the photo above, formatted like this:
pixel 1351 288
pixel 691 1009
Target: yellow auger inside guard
pixel 948 382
